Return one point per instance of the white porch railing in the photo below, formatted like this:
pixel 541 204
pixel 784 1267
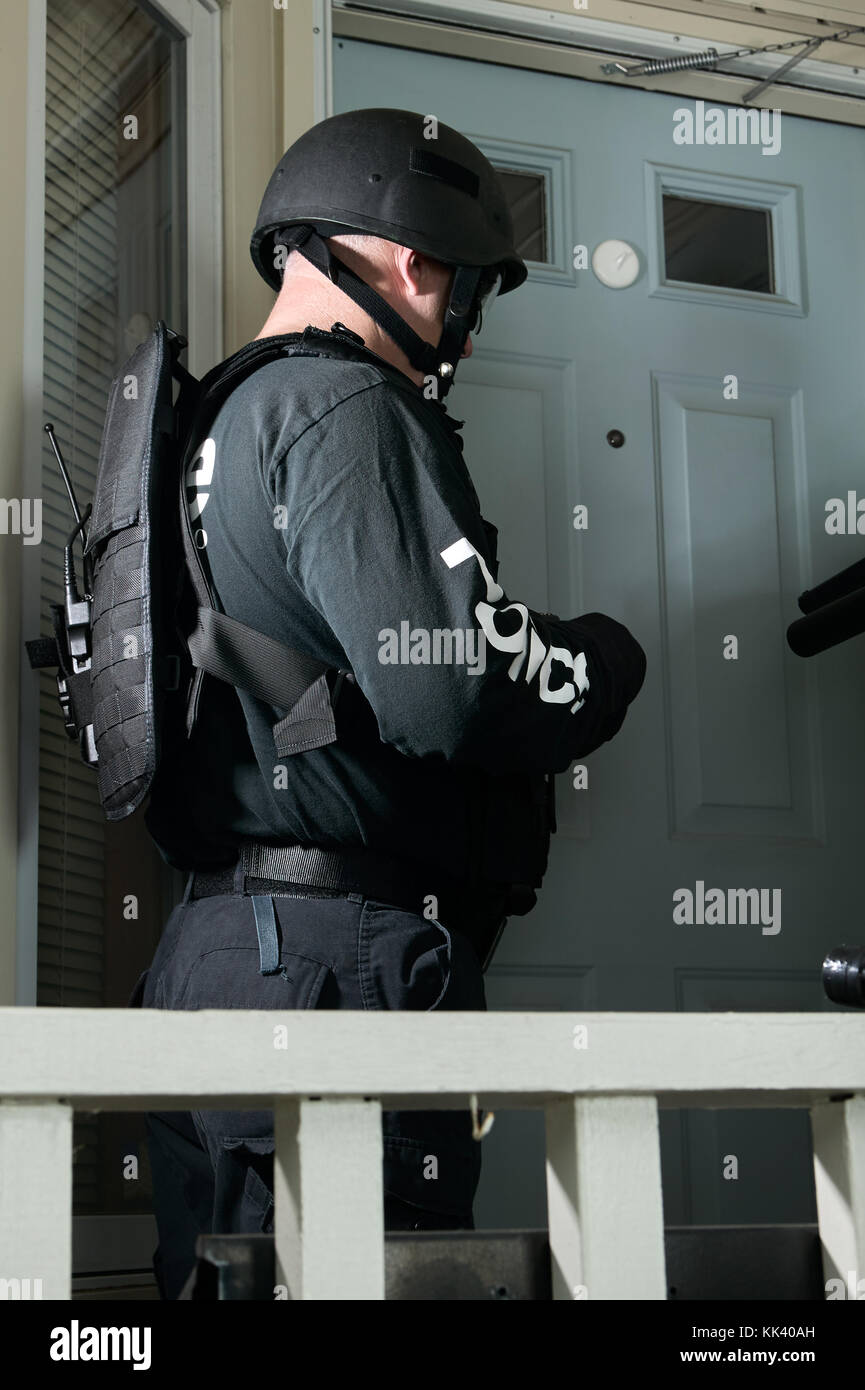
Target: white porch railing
pixel 328 1074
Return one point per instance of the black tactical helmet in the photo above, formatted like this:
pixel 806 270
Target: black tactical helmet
pixel 407 178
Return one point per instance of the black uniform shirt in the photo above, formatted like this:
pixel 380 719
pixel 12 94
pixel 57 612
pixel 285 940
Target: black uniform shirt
pixel 340 519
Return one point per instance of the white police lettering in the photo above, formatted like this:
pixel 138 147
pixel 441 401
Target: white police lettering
pixel 526 643
pixel 199 475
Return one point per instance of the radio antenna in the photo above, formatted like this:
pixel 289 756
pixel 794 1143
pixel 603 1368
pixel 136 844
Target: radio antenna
pixel 76 510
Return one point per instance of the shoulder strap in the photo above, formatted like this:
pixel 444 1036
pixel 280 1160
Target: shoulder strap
pixel 222 646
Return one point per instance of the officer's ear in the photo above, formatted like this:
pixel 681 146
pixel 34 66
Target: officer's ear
pixel 421 276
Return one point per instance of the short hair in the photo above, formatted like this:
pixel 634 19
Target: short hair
pixel 356 241
pixel 364 243
pixel 375 248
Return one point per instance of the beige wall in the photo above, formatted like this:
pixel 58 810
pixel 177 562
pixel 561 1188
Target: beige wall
pixel 13 84
pixel 268 100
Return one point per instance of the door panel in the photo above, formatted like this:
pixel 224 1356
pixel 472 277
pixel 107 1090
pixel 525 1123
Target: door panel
pixel 742 413
pixel 728 523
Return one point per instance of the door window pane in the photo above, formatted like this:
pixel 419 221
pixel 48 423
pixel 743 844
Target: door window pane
pixel 718 244
pixel 526 194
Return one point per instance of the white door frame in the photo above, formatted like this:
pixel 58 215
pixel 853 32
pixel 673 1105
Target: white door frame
pixel 198 22
pixel 577 45
pixel 322 29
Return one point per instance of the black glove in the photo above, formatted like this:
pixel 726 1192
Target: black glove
pixel 621 663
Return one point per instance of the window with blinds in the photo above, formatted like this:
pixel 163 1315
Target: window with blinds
pixel 114 264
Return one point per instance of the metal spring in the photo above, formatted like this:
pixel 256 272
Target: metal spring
pixel 687 60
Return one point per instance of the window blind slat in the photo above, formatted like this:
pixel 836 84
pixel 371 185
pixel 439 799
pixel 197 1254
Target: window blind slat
pixel 107 204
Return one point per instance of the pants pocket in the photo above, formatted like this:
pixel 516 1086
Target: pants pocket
pixel 244 1186
pixel 230 978
pixel 404 961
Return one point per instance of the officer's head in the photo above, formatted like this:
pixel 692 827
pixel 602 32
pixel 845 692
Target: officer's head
pixel 405 216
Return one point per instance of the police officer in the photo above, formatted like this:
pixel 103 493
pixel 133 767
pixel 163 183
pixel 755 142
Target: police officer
pixel 375 865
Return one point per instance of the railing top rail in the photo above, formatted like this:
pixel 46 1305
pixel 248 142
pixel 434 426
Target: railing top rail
pixel 145 1059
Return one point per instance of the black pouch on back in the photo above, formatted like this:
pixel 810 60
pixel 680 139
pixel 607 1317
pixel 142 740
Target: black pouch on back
pixel 135 665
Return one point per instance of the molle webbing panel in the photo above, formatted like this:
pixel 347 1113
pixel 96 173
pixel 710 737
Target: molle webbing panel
pixel 137 450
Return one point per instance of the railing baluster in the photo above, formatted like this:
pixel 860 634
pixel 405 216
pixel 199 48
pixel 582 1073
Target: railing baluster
pixel 838 1129
pixel 604 1198
pixel 35 1199
pixel 329 1200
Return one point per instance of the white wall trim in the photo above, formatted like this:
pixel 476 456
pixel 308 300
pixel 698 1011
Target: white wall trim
pixel 582 31
pixel 322 11
pixel 199 23
pixel 204 188
pixel 179 12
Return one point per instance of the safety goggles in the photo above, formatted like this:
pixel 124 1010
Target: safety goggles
pixel 488 288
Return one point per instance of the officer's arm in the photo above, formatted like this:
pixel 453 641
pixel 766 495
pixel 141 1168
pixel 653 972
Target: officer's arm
pixel 388 545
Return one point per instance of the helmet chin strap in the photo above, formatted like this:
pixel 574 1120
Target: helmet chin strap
pixel 439 361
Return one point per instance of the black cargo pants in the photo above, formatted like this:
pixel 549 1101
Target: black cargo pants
pixel 213 1170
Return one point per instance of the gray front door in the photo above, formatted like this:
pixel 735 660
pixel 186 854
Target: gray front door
pixel 731 369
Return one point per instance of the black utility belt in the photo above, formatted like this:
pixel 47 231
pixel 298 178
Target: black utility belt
pixel 475 910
